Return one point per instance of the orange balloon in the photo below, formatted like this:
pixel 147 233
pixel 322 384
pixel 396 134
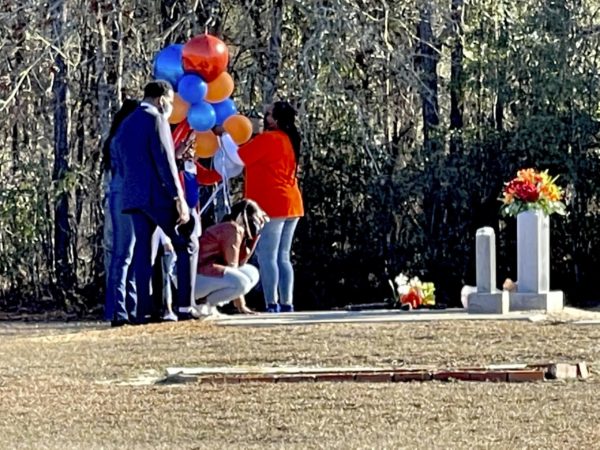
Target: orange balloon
pixel 180 110
pixel 239 128
pixel 219 89
pixel 206 144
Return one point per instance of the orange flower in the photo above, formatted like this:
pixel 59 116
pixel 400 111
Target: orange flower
pixel 532 190
pixel 508 198
pixel 529 176
pixel 551 192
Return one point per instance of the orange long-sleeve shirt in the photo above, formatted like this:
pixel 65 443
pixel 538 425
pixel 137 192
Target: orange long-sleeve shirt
pixel 270 177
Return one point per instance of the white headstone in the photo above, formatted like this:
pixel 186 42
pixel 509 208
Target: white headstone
pixel 533 252
pixel 488 299
pixel 533 265
pixel 485 257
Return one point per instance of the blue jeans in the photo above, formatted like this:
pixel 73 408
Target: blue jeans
pixel 186 248
pixel 273 253
pixel 235 282
pixel 107 244
pixel 168 264
pixel 121 291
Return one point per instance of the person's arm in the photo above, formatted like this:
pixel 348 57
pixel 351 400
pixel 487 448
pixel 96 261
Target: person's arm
pixel 164 161
pixel 164 240
pixel 247 249
pixel 231 247
pixel 163 166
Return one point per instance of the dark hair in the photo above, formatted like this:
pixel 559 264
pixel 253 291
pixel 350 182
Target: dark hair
pixel 250 214
pixel 157 88
pixel 285 115
pixel 127 108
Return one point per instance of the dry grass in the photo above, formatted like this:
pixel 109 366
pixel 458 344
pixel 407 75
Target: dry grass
pixel 52 393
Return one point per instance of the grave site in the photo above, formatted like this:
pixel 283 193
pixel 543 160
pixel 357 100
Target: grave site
pixel 392 380
pixel 299 224
pixel 513 367
pixel 500 373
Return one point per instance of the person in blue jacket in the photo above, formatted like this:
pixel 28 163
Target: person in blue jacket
pixel 154 197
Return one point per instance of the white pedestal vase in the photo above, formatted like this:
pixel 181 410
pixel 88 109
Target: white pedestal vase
pixel 533 265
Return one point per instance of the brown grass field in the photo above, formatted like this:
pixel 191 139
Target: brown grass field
pixel 64 387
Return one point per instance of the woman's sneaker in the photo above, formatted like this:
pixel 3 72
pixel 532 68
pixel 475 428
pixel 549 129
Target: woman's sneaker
pixel 286 308
pixel 170 317
pixel 273 307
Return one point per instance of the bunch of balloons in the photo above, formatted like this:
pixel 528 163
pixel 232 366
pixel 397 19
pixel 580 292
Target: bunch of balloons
pixel 203 88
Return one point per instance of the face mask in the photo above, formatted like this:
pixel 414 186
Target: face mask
pixel 166 109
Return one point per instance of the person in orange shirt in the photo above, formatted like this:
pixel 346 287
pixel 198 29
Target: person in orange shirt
pixel 271 168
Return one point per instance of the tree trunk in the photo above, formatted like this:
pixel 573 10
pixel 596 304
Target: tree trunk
pixel 427 60
pixel 254 8
pixel 209 16
pixel 62 227
pixel 501 38
pixel 456 69
pixel 274 53
pixel 101 57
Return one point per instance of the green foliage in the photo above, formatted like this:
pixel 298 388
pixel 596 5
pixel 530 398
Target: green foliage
pixel 546 206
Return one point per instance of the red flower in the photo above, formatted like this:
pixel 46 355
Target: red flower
pixel 523 190
pixel 412 298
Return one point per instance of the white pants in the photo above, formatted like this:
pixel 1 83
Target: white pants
pixel 234 283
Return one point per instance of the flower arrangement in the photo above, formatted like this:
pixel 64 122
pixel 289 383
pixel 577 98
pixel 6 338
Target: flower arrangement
pixel 532 190
pixel 414 292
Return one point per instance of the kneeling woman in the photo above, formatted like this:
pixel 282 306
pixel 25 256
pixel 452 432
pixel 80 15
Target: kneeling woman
pixel 223 271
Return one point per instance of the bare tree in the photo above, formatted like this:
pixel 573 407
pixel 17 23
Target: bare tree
pixel 456 69
pixel 62 232
pixel 274 53
pixel 427 60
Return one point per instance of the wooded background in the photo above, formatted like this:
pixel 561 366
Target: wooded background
pixel 413 114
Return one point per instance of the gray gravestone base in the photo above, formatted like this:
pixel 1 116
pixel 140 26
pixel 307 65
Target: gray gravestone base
pixel 489 303
pixel 547 301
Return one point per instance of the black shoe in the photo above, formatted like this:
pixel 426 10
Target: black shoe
pixel 183 316
pixel 119 323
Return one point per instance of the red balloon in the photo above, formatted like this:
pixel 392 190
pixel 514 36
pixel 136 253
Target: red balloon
pixel 205 55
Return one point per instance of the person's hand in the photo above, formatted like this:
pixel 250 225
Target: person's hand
pixel 257 125
pixel 186 147
pixel 240 304
pixel 218 130
pixel 168 248
pixel 182 210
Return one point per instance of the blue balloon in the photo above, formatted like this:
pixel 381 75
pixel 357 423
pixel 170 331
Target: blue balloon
pixel 168 65
pixel 224 109
pixel 201 116
pixel 192 88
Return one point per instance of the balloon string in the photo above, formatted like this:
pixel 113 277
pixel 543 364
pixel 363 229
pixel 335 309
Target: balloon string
pixel 226 198
pixel 210 199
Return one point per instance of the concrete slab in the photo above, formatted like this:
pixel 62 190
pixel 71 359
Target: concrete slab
pixel 488 303
pixel 551 301
pixel 379 316
pixel 587 322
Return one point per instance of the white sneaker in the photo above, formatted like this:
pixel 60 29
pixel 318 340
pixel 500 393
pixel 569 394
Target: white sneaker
pixel 206 312
pixel 201 311
pixel 170 317
pixel 214 313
